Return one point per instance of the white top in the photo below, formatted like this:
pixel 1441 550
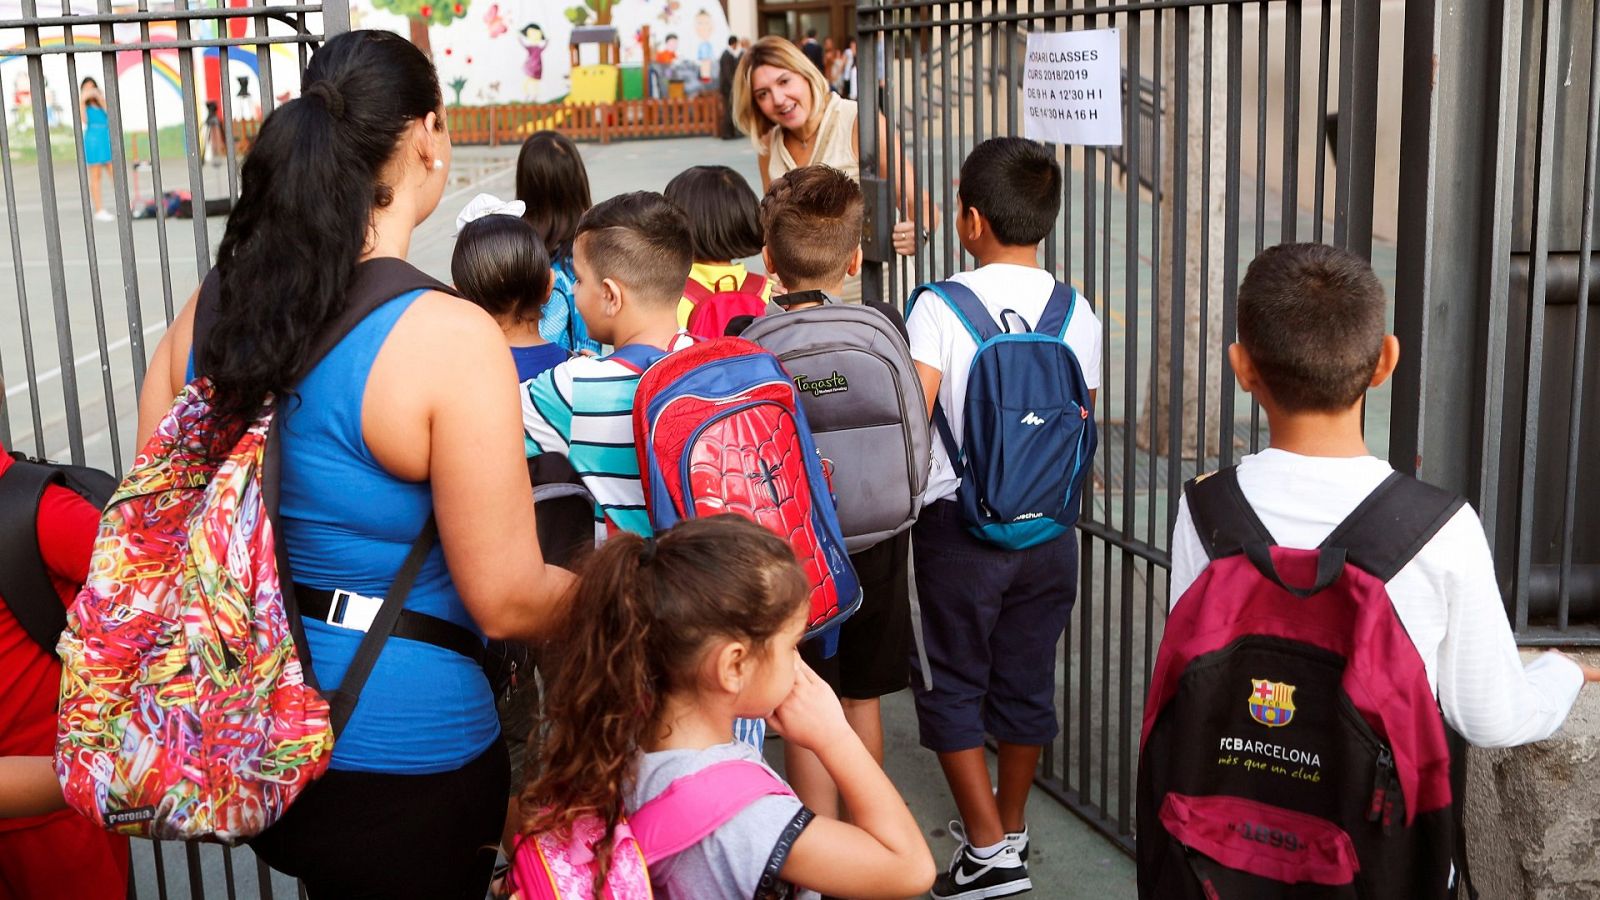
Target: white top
pixel 1447 596
pixel 939 339
pixel 835 142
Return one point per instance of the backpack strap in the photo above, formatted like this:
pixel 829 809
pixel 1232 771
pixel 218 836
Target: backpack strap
pixel 753 284
pixel 637 357
pixel 695 291
pixel 969 310
pixel 694 806
pixel 25 584
pixel 342 701
pixel 1389 528
pixel 1057 314
pixel 1222 516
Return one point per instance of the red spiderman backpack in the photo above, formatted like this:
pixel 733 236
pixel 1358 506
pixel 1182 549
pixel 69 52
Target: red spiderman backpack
pixel 714 309
pixel 1292 746
pixel 719 429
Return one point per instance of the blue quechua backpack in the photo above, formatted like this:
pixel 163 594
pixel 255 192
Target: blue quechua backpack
pixel 1029 429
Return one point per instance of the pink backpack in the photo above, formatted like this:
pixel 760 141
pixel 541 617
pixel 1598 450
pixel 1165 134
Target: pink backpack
pixel 714 309
pixel 562 867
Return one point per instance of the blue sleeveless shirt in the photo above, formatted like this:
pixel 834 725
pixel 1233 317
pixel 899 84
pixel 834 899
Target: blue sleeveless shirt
pixel 347 524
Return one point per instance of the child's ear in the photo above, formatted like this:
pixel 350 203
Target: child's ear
pixel 1388 358
pixel 611 296
pixel 549 287
pixel 972 223
pixel 1244 368
pixel 732 666
pixel 766 259
pixel 854 268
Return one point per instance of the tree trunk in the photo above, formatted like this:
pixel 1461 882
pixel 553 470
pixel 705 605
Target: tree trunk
pixel 419 36
pixel 1204 213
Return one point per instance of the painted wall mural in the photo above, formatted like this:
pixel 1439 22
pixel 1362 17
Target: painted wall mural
pixel 510 51
pixel 487 51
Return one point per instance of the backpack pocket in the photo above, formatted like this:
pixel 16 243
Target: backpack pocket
pixel 1239 848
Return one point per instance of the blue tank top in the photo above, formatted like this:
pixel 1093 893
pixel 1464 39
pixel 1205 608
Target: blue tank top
pixel 347 524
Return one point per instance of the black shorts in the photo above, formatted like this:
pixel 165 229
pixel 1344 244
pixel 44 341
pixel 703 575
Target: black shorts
pixel 875 643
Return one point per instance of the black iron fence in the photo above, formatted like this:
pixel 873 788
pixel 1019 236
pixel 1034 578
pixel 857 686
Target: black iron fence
pixel 100 289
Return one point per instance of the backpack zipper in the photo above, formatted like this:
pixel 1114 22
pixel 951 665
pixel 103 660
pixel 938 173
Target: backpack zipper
pixel 1383 785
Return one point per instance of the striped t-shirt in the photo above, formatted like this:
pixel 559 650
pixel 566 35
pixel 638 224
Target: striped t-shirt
pixel 583 408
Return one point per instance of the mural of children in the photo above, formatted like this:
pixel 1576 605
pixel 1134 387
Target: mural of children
pixel 533 40
pixel 668 54
pixel 705 54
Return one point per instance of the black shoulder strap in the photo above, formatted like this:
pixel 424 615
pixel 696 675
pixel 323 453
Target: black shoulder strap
pixel 1393 524
pixel 1221 515
pixel 25 584
pixel 376 282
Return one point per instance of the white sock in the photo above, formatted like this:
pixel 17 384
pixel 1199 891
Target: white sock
pixel 991 850
pixel 1018 837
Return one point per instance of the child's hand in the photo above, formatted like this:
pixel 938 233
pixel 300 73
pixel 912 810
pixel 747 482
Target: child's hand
pixel 810 716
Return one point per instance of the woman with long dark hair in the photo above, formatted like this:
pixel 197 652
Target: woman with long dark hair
pixel 412 414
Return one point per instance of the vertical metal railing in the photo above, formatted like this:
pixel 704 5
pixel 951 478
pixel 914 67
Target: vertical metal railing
pixel 1495 284
pixel 68 270
pixel 1217 138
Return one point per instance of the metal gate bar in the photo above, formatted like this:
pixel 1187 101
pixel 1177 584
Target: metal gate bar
pixel 952 78
pixel 50 412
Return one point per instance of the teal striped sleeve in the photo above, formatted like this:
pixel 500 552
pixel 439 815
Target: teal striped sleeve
pixel 547 413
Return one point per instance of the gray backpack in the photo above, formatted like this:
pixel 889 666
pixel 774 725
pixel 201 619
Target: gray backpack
pixel 864 404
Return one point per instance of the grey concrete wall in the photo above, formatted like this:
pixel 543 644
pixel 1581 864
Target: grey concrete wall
pixel 1533 813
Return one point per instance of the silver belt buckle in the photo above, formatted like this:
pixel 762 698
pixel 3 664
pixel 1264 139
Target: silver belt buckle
pixel 353 611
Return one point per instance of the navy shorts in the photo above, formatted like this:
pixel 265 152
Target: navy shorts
pixel 991 621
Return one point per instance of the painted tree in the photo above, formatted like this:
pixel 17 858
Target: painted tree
pixel 590 12
pixel 423 13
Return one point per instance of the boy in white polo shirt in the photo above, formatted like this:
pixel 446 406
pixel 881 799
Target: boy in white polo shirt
pixel 1311 342
pixel 991 617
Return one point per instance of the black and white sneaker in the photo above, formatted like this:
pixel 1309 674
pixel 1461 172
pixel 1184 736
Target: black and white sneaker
pixel 973 878
pixel 1017 839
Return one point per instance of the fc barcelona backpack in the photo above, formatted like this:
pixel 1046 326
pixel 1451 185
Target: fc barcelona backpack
pixel 1292 746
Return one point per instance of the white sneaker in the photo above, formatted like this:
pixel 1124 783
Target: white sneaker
pixel 103 216
pixel 1017 839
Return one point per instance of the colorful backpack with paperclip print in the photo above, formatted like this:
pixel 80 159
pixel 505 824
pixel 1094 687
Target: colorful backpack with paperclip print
pixel 549 866
pixel 189 710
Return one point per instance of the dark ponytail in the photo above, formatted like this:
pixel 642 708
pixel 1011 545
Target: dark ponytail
pixel 308 189
pixel 643 613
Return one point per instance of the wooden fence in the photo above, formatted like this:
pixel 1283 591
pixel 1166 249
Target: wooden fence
pixel 604 122
pixel 511 123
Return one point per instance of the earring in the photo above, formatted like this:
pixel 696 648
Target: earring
pixel 438 164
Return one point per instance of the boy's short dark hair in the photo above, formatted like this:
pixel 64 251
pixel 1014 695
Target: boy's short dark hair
pixel 812 217
pixel 1016 184
pixel 724 219
pixel 501 265
pixel 642 241
pixel 1311 317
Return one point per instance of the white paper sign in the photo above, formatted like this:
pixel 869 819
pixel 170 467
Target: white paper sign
pixel 1072 88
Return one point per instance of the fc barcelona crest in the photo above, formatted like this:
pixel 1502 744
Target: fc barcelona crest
pixel 1271 702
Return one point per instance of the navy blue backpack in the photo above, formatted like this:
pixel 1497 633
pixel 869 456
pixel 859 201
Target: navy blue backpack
pixel 1030 432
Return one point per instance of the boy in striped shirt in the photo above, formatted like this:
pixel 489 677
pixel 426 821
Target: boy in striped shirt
pixel 631 256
